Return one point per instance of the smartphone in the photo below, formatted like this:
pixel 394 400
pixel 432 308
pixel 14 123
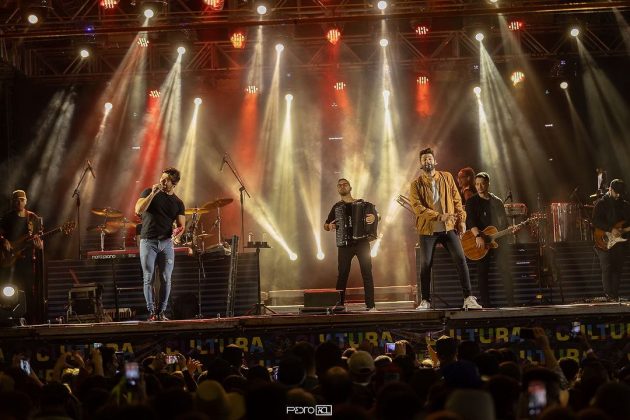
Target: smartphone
pixel 527 333
pixel 25 365
pixel 132 373
pixel 537 397
pixel 171 359
pixel 576 329
pixel 97 345
pixel 390 347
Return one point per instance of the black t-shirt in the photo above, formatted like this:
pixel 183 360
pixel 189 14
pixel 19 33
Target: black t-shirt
pixel 14 227
pixel 157 220
pixel 481 213
pixel 609 211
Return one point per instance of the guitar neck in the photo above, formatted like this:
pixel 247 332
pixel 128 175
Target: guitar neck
pixel 507 231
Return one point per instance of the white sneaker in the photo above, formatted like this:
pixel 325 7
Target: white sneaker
pixel 424 305
pixel 471 303
pixel 372 309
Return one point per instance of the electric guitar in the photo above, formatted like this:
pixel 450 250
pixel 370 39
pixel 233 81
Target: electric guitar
pixel 8 258
pixel 469 241
pixel 606 240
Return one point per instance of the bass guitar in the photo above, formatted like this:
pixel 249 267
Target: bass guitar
pixel 469 242
pixel 606 240
pixel 8 258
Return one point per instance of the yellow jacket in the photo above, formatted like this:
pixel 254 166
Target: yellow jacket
pixel 421 198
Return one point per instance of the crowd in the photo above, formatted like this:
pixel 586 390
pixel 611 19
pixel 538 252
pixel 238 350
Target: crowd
pixel 457 381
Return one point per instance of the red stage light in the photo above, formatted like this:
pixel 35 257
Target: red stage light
pixel 421 30
pixel 238 40
pixel 215 4
pixel 109 4
pixel 517 77
pixel 154 93
pixel 422 80
pixel 251 89
pixel 333 35
pixel 516 25
pixel 143 42
pixel 340 86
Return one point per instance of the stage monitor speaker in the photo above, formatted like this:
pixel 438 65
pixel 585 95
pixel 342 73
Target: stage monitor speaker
pixel 185 306
pixel 322 301
pixel 12 308
pixel 85 303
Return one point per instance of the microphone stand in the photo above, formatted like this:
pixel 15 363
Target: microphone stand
pixel 228 159
pixel 77 194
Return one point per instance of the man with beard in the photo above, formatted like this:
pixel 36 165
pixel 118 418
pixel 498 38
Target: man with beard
pixel 360 247
pixel 439 212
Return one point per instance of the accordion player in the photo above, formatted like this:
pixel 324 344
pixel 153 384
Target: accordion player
pixel 351 224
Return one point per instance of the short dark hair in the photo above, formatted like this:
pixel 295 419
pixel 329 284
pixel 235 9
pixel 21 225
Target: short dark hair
pixel 173 173
pixel 618 186
pixel 483 175
pixel 427 151
pixel 342 179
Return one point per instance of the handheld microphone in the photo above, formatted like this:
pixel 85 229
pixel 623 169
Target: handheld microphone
pixel 89 165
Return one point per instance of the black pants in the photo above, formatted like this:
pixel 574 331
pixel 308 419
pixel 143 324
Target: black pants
pixel 611 263
pixel 344 257
pixel 451 242
pixel 501 256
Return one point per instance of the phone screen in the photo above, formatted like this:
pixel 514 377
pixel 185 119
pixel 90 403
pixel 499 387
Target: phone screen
pixel 575 328
pixel 25 366
pixel 390 347
pixel 132 373
pixel 171 359
pixel 537 392
pixel 98 345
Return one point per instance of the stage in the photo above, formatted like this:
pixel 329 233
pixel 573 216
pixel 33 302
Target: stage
pixel 264 337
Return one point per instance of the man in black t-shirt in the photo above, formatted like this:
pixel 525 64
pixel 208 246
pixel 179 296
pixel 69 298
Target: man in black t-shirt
pixel 159 208
pixel 609 211
pixel 486 209
pixel 23 269
pixel 360 248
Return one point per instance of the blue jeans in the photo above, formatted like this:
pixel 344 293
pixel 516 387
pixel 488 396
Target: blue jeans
pixel 451 242
pixel 160 250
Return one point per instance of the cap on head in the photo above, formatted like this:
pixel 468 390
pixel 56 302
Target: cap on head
pixel 618 186
pixel 18 194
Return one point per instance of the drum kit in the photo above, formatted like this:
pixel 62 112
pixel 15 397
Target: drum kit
pixel 114 222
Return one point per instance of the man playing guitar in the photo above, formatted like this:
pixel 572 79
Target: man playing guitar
pixel 22 270
pixel 611 214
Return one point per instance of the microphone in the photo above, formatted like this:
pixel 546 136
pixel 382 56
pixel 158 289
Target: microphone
pixel 89 165
pixel 223 163
pixel 573 194
pixel 509 196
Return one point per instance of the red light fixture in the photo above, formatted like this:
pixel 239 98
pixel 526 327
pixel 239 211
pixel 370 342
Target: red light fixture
pixel 333 35
pixel 251 89
pixel 421 30
pixel 422 80
pixel 154 93
pixel 215 4
pixel 143 42
pixel 238 40
pixel 108 4
pixel 516 25
pixel 339 86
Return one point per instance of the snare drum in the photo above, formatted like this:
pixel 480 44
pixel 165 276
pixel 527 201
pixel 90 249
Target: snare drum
pixel 566 222
pixel 515 210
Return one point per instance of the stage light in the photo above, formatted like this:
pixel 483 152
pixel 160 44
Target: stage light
pixel 288 97
pixel 422 80
pixel 320 255
pixel 382 5
pixel 215 4
pixel 238 40
pixel 333 35
pixel 339 86
pixel 383 42
pixel 84 53
pixel 181 50
pixel 32 19
pixel 516 25
pixel 479 36
pixel 575 32
pixel 108 4
pixel 198 101
pixel 293 256
pixel 154 93
pixel 251 89
pixel 493 1
pixel 148 13
pixel 386 94
pixel 8 291
pixel 108 106
pixel 143 42
pixel 261 10
pixel 421 29
pixel 564 85
pixel 517 77
pixel 279 48
pixel 477 90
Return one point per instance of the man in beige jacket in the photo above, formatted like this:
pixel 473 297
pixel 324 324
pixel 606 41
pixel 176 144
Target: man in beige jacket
pixel 439 213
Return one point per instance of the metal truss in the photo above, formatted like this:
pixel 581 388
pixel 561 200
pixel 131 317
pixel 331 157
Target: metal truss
pixel 50 52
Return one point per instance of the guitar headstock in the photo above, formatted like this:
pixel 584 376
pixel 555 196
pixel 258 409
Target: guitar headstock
pixel 67 228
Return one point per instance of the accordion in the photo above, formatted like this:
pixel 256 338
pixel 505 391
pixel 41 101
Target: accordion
pixel 352 226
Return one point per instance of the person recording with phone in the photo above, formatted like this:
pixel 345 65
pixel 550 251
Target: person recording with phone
pixel 159 208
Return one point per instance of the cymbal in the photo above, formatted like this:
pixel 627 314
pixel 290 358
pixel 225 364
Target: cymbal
pixel 221 202
pixel 107 212
pixel 203 235
pixel 101 228
pixel 198 210
pixel 121 223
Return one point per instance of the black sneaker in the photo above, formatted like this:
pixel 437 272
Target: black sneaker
pixel 152 317
pixel 162 317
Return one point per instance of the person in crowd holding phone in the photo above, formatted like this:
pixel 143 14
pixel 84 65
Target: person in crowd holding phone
pixel 159 208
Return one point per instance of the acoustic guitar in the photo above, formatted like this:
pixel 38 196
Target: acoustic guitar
pixel 606 240
pixel 8 258
pixel 469 242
